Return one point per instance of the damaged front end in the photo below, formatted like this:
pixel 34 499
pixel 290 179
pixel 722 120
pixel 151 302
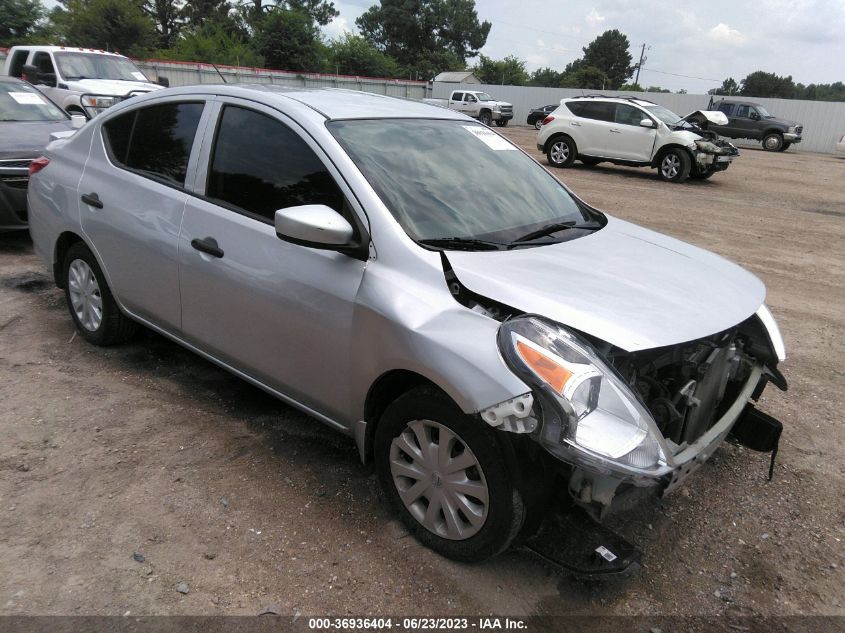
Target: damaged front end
pixel 626 420
pixel 711 153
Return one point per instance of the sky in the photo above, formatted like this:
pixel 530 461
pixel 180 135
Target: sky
pixel 691 45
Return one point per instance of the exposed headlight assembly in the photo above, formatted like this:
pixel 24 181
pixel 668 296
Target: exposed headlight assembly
pixel 595 417
pixel 93 101
pixel 707 146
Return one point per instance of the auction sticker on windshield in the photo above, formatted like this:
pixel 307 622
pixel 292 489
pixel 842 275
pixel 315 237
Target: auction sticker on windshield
pixel 27 98
pixel 489 138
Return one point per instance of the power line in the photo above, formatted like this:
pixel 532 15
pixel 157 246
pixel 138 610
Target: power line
pixel 651 70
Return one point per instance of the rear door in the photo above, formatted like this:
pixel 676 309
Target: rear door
pixel 132 196
pixel 591 130
pixel 280 313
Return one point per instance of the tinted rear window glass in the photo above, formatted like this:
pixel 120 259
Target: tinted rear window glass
pixel 260 165
pixel 727 108
pixel 156 141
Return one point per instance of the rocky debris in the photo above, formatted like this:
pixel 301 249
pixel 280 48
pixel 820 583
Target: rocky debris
pixel 182 588
pixel 138 557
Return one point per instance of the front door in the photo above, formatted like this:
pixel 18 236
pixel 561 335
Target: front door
pixel 131 201
pixel 280 313
pixel 630 140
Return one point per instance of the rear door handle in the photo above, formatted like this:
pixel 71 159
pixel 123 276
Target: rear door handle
pixel 615 131
pixel 92 200
pixel 575 124
pixel 207 245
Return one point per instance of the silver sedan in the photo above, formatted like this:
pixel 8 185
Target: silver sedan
pixel 412 279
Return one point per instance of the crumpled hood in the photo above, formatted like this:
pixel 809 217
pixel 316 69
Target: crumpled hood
pixel 626 285
pixel 110 87
pixel 707 116
pixel 27 139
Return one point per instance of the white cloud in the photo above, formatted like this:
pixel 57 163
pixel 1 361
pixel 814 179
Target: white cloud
pixel 336 28
pixel 594 18
pixel 724 33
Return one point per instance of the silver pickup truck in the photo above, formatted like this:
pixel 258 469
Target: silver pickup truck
pixel 479 105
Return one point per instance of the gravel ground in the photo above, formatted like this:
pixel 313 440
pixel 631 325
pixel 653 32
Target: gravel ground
pixel 143 479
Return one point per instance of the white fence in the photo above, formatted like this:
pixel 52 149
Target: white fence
pixel 824 121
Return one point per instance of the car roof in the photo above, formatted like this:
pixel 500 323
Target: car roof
pixel 332 103
pixel 66 49
pixel 742 101
pixel 11 80
pixel 634 100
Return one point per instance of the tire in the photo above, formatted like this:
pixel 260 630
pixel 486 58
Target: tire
pixel 785 146
pixel 462 526
pixel 485 117
pixel 501 122
pixel 773 142
pixel 538 124
pixel 674 165
pixel 561 152
pixel 90 302
pixel 590 162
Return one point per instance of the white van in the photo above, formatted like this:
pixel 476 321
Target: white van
pixel 80 80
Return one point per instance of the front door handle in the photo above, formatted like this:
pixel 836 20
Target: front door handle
pixel 92 200
pixel 207 245
pixel 575 124
pixel 615 131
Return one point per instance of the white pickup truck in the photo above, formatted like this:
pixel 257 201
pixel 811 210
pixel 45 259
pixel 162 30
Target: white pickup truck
pixel 80 80
pixel 478 105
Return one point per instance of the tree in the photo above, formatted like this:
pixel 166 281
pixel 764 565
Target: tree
pixel 545 77
pixel 18 20
pixel 288 40
pixel 634 87
pixel 509 71
pixel 212 43
pixel 168 18
pixel 729 87
pixel 353 55
pixel 609 53
pixel 321 11
pixel 585 76
pixel 763 84
pixel 425 36
pixel 106 24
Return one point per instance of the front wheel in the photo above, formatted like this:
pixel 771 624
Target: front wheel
pixel 445 475
pixel 501 122
pixel 772 142
pixel 561 152
pixel 674 166
pixel 97 317
pixel 485 118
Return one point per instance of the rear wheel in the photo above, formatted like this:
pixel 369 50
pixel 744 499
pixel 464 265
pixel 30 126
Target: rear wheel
pixel 773 142
pixel 444 473
pixel 90 302
pixel 674 165
pixel 561 152
pixel 538 124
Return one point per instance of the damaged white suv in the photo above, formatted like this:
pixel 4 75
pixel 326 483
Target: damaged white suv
pixel 637 133
pixel 490 341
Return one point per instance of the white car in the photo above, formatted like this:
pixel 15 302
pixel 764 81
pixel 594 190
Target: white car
pixel 80 80
pixel 840 146
pixel 637 133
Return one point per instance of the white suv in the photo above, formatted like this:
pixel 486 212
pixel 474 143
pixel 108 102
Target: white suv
pixel 637 133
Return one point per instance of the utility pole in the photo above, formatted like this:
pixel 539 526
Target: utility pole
pixel 643 58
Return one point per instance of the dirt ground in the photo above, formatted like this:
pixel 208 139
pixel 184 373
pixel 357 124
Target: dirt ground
pixel 146 449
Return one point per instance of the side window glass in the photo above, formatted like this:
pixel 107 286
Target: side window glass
pixel 598 111
pixel 742 111
pixel 458 96
pixel 727 108
pixel 628 115
pixel 155 141
pixel 471 99
pixel 260 165
pixel 43 63
pixel 18 62
pixel 576 108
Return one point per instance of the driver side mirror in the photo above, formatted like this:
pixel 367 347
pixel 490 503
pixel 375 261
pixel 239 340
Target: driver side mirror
pixel 163 81
pixel 318 226
pixel 646 123
pixel 30 73
pixel 755 116
pixel 77 121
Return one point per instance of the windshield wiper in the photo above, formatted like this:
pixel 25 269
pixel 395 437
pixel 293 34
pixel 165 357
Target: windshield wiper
pixel 462 243
pixel 554 228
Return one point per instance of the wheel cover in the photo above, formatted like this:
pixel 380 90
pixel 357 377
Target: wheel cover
pixel 560 151
pixel 670 167
pixel 538 123
pixel 439 480
pixel 85 297
pixel 772 142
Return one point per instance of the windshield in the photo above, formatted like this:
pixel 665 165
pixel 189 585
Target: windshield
pixel 763 112
pixel 22 102
pixel 73 66
pixel 483 96
pixel 453 179
pixel 667 116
